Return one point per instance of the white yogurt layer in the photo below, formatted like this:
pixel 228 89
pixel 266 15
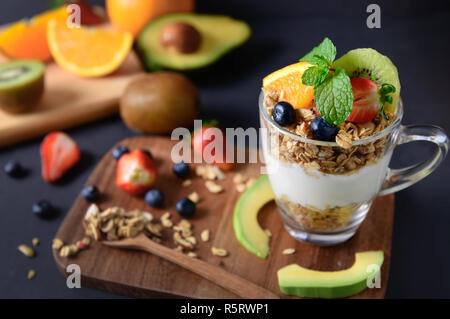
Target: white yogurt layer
pixel 312 187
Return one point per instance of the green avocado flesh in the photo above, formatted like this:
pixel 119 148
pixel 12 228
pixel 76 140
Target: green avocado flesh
pixel 368 63
pixel 245 219
pixel 219 35
pixel 298 281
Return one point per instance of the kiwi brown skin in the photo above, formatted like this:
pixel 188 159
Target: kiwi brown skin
pixel 159 102
pixel 22 99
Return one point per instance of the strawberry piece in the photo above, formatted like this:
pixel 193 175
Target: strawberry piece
pixel 135 172
pixel 201 139
pixel 59 153
pixel 365 100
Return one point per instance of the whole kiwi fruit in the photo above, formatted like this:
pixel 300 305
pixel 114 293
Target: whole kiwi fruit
pixel 159 102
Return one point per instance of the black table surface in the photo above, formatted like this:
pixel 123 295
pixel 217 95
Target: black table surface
pixel 415 34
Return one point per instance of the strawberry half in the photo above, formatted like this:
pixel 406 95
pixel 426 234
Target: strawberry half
pixel 202 138
pixel 365 100
pixel 135 173
pixel 59 153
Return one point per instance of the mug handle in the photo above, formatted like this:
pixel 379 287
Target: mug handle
pixel 399 179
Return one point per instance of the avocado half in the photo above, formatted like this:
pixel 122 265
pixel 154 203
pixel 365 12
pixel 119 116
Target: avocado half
pixel 245 219
pixel 219 34
pixel 301 282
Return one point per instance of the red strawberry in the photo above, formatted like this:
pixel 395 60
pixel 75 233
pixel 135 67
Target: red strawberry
pixel 203 137
pixel 135 172
pixel 88 15
pixel 59 153
pixel 365 100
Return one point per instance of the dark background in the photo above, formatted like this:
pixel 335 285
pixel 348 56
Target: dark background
pixel 415 34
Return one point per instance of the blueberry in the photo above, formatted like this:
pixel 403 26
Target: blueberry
pixel 90 193
pixel 322 130
pixel 13 169
pixel 181 169
pixel 148 153
pixel 284 114
pixel 154 198
pixel 185 207
pixel 118 151
pixel 43 209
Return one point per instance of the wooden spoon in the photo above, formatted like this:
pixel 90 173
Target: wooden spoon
pixel 217 275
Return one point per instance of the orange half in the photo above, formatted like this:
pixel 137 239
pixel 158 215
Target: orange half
pixel 88 52
pixel 288 83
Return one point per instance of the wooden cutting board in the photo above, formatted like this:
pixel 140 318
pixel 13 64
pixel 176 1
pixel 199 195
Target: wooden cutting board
pixel 143 275
pixel 68 101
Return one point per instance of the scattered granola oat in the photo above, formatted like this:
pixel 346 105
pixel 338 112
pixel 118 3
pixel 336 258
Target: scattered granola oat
pixel 289 251
pixel 209 172
pixel 31 274
pixel 165 220
pixel 26 250
pixel 180 240
pixel 192 254
pixel 250 182
pixel 213 187
pixel 268 232
pixel 239 178
pixel 194 197
pixel 57 244
pixel 204 235
pixel 68 250
pixel 241 187
pixel 219 252
pixel 35 241
pixel 344 139
pixel 186 183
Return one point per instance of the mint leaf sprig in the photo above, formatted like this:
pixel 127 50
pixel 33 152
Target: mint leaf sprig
pixel 384 91
pixel 333 93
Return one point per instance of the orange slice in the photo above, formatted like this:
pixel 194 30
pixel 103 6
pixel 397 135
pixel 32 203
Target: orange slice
pixel 88 52
pixel 27 39
pixel 288 83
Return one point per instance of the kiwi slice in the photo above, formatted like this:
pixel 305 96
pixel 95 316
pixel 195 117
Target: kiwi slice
pixel 368 63
pixel 21 84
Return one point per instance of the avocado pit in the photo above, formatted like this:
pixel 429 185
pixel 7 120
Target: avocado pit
pixel 181 37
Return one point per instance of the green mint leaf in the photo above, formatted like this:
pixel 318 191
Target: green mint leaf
pixel 326 50
pixel 314 75
pixel 334 97
pixel 381 111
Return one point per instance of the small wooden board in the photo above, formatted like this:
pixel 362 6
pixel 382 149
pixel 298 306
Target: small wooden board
pixel 143 275
pixel 68 101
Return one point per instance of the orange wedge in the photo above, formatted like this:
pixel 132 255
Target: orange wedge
pixel 88 52
pixel 288 83
pixel 27 39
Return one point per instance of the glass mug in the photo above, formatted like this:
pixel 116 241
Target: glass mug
pixel 323 191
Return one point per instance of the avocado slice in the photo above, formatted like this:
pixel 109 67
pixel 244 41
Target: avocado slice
pixel 245 219
pixel 298 281
pixel 219 35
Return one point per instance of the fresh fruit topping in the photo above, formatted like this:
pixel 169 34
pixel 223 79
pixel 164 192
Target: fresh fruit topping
pixel 206 135
pixel 181 169
pixel 132 16
pixel 21 84
pixel 148 153
pixel 13 169
pixel 322 130
pixel 59 153
pixel 287 82
pixel 370 64
pixel 219 34
pixel 185 207
pixel 118 151
pixel 365 100
pixel 90 193
pixel 284 114
pixel 43 209
pixel 65 44
pixel 332 89
pixel 159 103
pixel 181 37
pixel 135 173
pixel 27 39
pixel 154 198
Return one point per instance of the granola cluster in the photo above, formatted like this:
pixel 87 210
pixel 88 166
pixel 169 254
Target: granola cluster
pixel 343 159
pixel 317 219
